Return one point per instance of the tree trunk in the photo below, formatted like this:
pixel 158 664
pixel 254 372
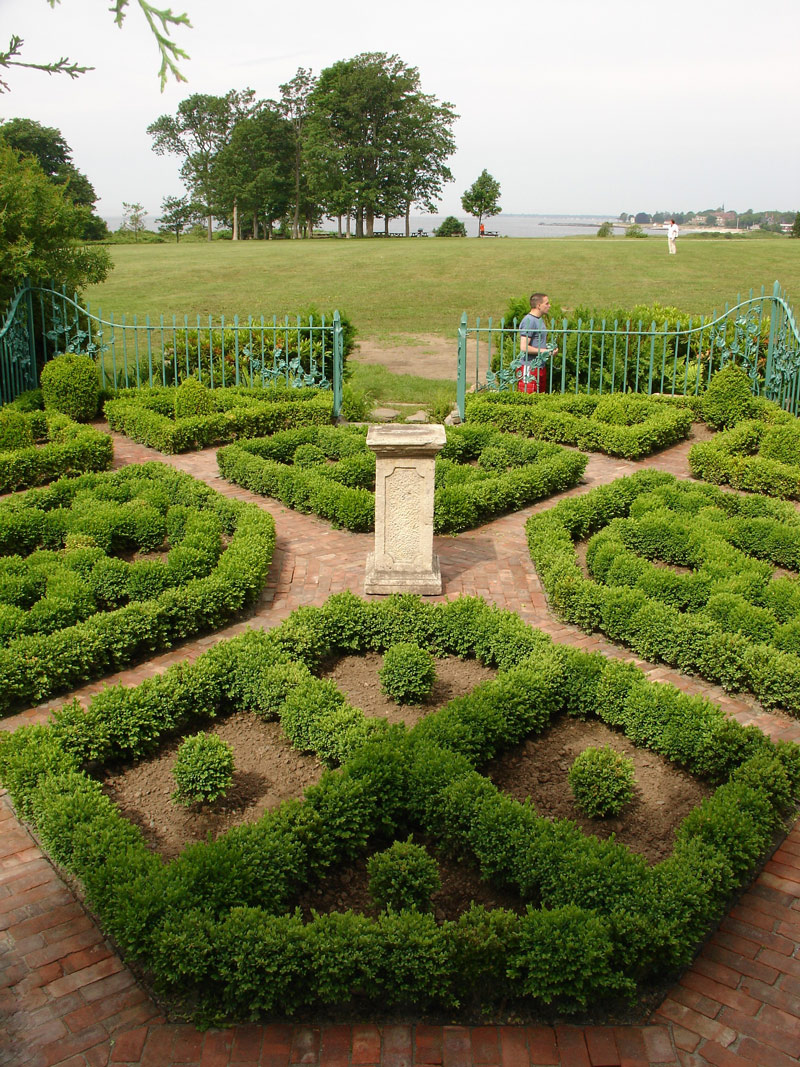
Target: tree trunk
pixel 296 222
pixel 359 222
pixel 269 229
pixel 235 220
pixel 339 225
pixel 349 220
pixel 255 226
pixel 370 222
pixel 408 218
pixel 386 225
pixel 310 226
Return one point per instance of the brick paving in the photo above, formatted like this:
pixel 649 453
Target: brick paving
pixel 66 998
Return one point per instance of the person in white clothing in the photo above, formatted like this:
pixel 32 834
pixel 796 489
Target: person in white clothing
pixel 672 233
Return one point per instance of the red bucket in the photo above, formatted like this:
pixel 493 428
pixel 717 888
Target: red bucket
pixel 532 379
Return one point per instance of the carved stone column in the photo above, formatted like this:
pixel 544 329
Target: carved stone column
pixel 403 560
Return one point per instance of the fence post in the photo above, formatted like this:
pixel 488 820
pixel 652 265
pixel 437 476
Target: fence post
pixel 773 331
pixel 461 387
pixel 33 372
pixel 338 359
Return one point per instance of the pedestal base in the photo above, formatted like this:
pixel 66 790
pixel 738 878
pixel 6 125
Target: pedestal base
pixel 401 579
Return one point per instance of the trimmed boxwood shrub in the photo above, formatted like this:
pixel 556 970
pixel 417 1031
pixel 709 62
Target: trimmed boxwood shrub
pixel 38 446
pixel 408 673
pixel 729 399
pixel 203 769
pixel 405 876
pixel 71 609
pixel 480 473
pixel 629 426
pixel 727 620
pixel 169 419
pixel 601 781
pixel 71 385
pixel 218 926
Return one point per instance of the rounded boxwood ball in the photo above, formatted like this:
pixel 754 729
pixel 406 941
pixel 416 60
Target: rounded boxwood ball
pixel 203 769
pixel 404 876
pixel 408 673
pixel 70 385
pixel 601 781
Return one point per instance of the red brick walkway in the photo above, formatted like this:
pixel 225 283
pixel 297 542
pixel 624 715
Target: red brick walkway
pixel 67 999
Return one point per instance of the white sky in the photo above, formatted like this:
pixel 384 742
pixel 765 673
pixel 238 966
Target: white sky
pixel 574 106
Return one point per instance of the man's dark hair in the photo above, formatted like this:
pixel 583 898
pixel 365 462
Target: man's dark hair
pixel 537 298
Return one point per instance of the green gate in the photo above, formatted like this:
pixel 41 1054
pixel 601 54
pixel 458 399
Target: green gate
pixel 759 333
pixel 42 321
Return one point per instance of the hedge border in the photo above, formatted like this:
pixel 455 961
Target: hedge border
pixel 84 449
pixel 731 458
pixel 215 924
pixel 568 420
pixel 653 629
pixel 456 508
pixel 34 668
pixel 143 415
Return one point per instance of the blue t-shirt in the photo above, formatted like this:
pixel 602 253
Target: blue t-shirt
pixel 535 330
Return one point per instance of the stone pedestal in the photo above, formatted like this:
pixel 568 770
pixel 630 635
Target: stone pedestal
pixel 403 560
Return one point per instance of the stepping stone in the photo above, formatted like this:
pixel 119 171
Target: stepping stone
pixel 385 414
pixel 418 417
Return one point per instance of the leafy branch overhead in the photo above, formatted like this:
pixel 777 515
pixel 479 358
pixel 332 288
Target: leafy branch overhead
pixel 162 23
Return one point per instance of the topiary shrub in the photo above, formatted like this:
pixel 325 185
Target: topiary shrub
pixel 70 385
pixel 494 459
pixel 15 431
pixel 203 769
pixel 192 398
pixel 408 673
pixel 405 876
pixel 728 399
pixel 601 781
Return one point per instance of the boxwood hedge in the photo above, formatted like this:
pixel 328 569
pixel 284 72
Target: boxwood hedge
pixel 36 447
pixel 71 608
pixel 755 455
pixel 218 927
pixel 625 425
pixel 727 618
pixel 330 472
pixel 149 415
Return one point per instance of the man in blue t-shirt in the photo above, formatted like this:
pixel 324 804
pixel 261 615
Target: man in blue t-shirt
pixel 533 350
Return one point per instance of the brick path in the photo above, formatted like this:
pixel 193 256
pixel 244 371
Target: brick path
pixel 66 998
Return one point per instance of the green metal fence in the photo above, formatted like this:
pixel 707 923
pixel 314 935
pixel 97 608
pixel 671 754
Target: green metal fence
pixel 43 321
pixel 759 333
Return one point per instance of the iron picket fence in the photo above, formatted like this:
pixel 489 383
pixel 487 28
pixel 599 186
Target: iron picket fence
pixel 254 351
pixel 759 333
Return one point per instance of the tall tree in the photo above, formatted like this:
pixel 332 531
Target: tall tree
pixel 197 133
pixel 253 172
pixel 482 199
pixel 294 106
pixel 133 216
pixel 364 122
pixel 428 142
pixel 161 22
pixel 176 214
pixel 40 229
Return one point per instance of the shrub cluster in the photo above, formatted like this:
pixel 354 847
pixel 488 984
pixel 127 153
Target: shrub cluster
pixel 625 425
pixel 218 925
pixel 203 769
pixel 727 619
pixel 191 416
pixel 405 876
pixel 71 385
pixel 601 780
pixel 72 609
pixel 480 474
pixel 38 446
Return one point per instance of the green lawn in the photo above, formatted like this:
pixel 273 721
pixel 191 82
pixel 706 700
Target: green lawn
pixel 395 288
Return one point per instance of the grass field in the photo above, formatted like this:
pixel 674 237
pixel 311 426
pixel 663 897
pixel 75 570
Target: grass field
pixel 395 288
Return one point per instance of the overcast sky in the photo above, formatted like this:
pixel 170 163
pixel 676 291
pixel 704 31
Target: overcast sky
pixel 575 106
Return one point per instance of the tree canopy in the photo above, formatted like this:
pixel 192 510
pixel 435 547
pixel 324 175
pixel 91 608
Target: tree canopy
pixel 40 230
pixel 482 199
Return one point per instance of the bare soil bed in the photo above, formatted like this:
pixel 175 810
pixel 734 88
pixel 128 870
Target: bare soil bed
pixel 424 355
pixel 269 771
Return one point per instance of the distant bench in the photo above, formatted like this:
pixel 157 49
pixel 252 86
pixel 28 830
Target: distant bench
pixel 489 233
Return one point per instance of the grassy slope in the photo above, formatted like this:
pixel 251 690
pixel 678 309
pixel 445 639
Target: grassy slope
pixel 391 288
